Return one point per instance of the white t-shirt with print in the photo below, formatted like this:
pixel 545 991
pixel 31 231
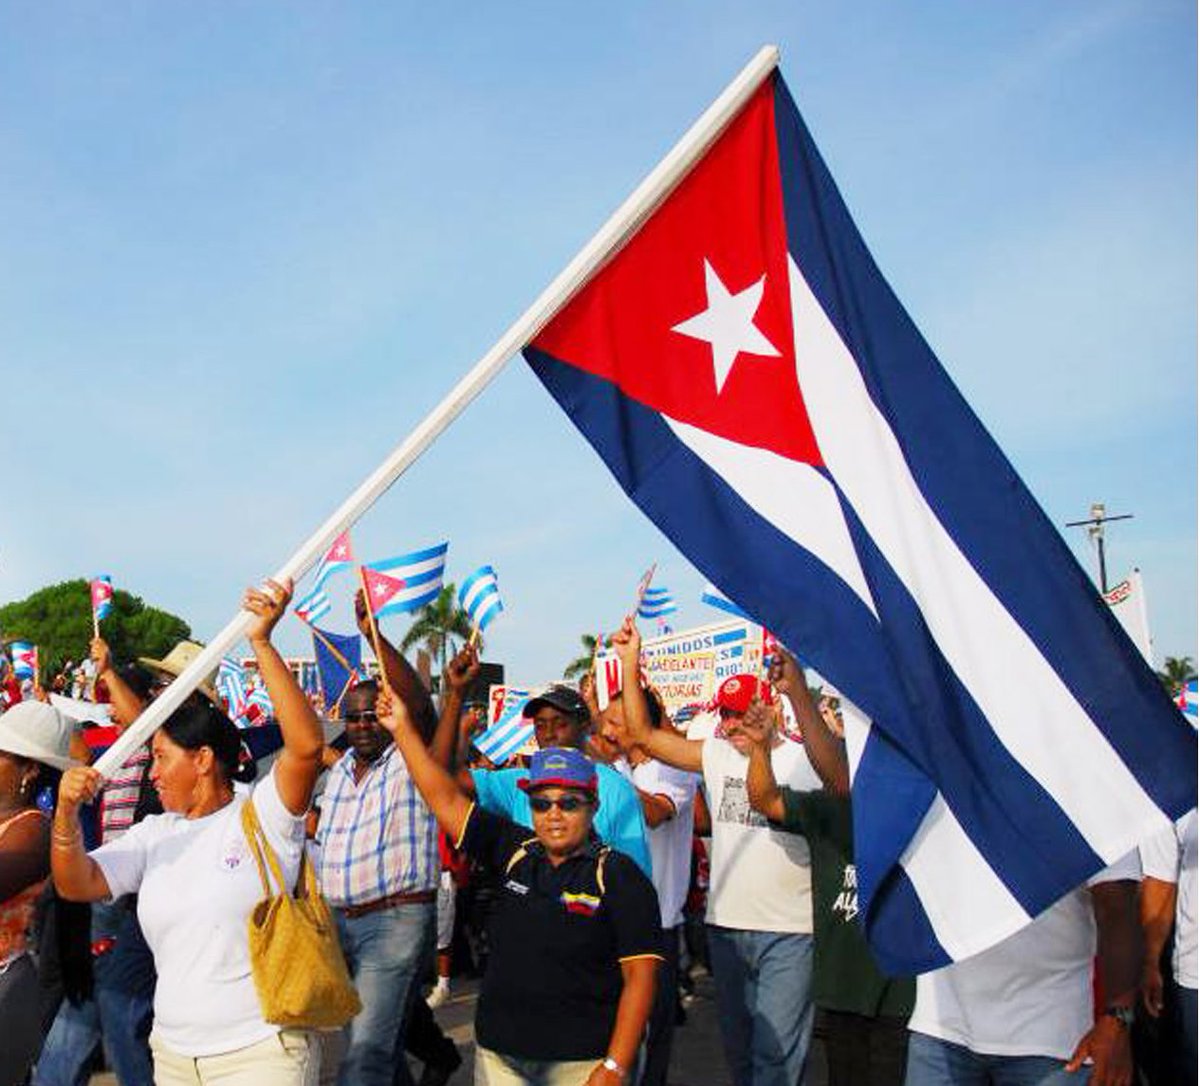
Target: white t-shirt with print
pixel 1171 857
pixel 197 883
pixel 671 841
pixel 1030 995
pixel 760 877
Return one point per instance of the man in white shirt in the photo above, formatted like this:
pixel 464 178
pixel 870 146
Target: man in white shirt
pixel 667 796
pixel 760 893
pixel 1169 894
pixel 1022 1012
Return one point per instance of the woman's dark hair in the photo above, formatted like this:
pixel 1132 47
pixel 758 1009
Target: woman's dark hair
pixel 199 723
pixel 138 679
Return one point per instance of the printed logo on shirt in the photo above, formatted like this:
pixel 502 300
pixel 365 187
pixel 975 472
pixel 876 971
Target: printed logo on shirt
pixel 516 887
pixel 235 853
pixel 735 804
pixel 845 905
pixel 580 904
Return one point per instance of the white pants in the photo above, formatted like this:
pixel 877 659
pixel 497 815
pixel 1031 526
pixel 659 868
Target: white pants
pixel 289 1058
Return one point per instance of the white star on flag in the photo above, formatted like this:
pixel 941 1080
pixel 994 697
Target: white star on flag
pixel 728 324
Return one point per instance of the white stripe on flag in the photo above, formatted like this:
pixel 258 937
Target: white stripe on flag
pixel 794 497
pixel 1025 702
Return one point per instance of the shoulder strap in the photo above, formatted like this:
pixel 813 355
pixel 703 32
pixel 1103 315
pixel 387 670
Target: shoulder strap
pixel 260 848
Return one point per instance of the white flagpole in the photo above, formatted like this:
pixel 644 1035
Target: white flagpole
pixel 611 236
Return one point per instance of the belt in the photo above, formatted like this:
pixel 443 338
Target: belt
pixel 412 897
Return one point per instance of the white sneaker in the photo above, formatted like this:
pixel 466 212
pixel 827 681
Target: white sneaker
pixel 439 995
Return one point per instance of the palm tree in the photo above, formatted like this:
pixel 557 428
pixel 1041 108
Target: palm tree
pixel 1177 672
pixel 581 665
pixel 437 625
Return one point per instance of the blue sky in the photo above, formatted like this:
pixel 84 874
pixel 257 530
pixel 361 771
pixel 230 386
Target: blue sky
pixel 247 247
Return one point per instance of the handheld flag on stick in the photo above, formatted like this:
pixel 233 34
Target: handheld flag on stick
pixel 643 587
pixel 377 589
pixel 757 389
pixel 479 596
pixel 24 660
pixel 231 685
pixel 315 605
pixel 656 603
pixel 102 597
pixel 339 556
pixel 338 658
pixel 407 582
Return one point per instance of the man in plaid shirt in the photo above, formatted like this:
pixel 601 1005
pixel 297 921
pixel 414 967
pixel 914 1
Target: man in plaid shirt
pixel 379 870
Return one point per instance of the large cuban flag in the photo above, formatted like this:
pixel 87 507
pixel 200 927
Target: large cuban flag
pixel 754 385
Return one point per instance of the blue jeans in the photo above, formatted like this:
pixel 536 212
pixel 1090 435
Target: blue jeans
pixel 386 951
pixel 934 1062
pixel 119 1014
pixel 764 995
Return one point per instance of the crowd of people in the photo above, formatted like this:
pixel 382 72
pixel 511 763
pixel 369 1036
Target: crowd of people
pixel 125 902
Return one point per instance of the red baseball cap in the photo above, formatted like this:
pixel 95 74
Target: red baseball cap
pixel 736 692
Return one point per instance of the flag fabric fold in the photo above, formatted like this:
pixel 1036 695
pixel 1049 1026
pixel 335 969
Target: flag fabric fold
pixel 24 659
pixel 231 685
pixel 407 582
pixel 714 597
pixel 338 658
pixel 479 596
pixel 757 389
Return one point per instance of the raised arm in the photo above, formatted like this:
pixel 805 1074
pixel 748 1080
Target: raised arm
pixel 77 877
pixel 126 704
pixel 449 804
pixel 299 763
pixel 402 677
pixel 665 744
pixel 460 673
pixel 761 787
pixel 825 751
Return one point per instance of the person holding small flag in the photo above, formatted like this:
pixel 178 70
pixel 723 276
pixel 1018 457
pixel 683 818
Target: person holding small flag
pixel 574 935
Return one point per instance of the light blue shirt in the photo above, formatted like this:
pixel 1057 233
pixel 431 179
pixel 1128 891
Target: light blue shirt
pixel 619 822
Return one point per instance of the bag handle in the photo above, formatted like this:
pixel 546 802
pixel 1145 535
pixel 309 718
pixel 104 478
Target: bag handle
pixel 260 846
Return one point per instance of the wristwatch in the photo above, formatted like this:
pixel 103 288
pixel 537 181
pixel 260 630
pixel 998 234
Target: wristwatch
pixel 609 1064
pixel 1124 1015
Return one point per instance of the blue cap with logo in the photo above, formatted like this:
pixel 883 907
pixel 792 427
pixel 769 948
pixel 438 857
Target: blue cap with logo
pixel 563 767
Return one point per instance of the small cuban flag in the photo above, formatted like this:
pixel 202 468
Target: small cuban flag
pixel 339 556
pixel 656 602
pixel 102 595
pixel 407 582
pixel 313 606
pixel 24 659
pixel 1187 701
pixel 479 596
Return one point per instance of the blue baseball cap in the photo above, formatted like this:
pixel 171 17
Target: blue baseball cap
pixel 562 767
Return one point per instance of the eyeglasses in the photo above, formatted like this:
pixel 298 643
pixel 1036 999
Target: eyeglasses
pixel 366 716
pixel 566 804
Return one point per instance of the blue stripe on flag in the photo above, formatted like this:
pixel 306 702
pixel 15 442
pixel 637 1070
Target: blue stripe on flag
pixel 729 635
pixel 429 554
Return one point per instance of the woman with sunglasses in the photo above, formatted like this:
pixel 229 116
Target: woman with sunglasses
pixel 575 934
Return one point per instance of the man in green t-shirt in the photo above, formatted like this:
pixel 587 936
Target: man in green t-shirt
pixel 863 1015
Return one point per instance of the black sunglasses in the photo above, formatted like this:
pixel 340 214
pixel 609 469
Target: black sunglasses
pixel 569 804
pixel 364 715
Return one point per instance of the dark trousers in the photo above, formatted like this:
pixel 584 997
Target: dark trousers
pixel 662 1014
pixel 862 1051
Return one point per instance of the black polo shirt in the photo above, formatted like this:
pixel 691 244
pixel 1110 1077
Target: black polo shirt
pixel 557 937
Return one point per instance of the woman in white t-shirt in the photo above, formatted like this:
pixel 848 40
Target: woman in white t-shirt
pixel 196 880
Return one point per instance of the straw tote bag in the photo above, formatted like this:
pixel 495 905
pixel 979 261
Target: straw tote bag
pixel 295 957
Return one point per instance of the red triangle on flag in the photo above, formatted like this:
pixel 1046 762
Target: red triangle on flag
pixel 380 588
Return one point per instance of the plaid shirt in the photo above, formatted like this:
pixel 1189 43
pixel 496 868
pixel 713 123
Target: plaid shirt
pixel 377 837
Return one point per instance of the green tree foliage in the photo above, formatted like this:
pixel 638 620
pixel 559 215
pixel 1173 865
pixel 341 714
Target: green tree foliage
pixel 1176 672
pixel 582 664
pixel 437 625
pixel 58 619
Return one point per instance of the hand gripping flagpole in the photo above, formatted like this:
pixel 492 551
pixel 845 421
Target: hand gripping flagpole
pixel 623 223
